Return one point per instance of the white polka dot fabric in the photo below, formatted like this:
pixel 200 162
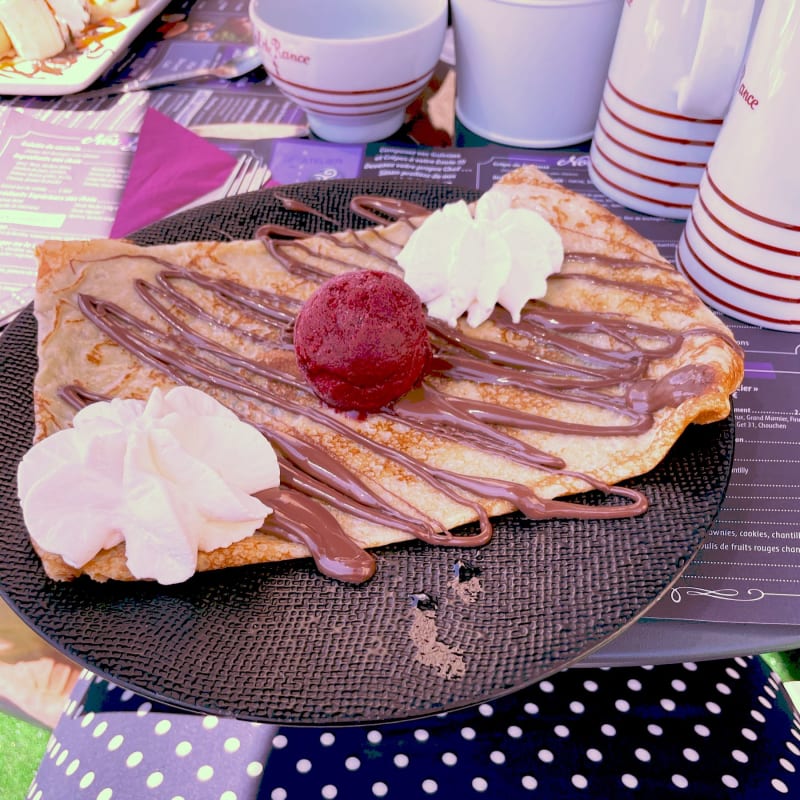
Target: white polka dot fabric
pixel 683 730
pixel 711 729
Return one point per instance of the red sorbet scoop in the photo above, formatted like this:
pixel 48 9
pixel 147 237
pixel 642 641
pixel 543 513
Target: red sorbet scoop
pixel 361 340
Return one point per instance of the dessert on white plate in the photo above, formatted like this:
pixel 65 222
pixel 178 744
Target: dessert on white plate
pixel 39 29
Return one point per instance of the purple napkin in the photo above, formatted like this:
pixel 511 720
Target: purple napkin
pixel 171 167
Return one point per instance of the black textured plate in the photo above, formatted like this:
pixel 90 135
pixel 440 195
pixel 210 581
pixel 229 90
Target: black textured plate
pixel 434 630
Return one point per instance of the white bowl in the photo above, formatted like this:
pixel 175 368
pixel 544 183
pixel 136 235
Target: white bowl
pixel 353 66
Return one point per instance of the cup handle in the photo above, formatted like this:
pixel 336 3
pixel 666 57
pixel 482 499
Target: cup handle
pixel 706 91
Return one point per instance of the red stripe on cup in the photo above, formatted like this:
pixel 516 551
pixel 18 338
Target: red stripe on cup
pixel 737 234
pixel 378 90
pixel 326 107
pixel 354 114
pixel 725 279
pixel 747 212
pixel 738 261
pixel 651 135
pixel 734 309
pixel 648 156
pixel 643 175
pixel 656 111
pixel 624 190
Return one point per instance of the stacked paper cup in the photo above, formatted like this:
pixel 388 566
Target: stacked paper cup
pixel 741 244
pixel 670 81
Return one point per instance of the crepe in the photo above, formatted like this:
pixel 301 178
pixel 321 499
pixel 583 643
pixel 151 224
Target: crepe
pixel 644 358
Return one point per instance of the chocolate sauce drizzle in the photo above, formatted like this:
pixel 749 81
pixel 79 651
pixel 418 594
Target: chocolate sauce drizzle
pixel 557 360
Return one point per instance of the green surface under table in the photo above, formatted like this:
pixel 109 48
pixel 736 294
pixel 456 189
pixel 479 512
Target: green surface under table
pixel 22 746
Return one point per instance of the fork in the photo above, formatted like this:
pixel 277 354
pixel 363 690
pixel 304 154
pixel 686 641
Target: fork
pixel 242 63
pixel 248 175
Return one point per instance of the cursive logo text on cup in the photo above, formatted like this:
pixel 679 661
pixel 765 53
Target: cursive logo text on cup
pixel 278 53
pixel 747 95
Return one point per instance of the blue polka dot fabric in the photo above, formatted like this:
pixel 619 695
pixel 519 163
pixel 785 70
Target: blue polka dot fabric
pixel 705 729
pixel 687 730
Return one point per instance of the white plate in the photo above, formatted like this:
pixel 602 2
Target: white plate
pixel 76 68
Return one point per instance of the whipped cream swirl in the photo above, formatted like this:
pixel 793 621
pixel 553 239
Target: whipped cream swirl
pixel 169 476
pixel 458 263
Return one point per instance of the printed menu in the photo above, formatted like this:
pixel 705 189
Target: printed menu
pixel 54 183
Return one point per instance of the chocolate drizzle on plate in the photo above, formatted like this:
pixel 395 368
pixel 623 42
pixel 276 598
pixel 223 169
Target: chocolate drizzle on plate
pixel 596 359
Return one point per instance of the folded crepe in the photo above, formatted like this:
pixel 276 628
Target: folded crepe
pixel 592 387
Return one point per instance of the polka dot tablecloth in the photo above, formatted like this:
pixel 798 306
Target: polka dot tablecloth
pixel 112 744
pixel 706 729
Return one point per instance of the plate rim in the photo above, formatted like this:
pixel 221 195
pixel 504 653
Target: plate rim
pixel 589 648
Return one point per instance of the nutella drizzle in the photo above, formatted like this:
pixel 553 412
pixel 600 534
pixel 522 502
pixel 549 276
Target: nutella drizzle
pixel 293 204
pixel 555 360
pixel 297 518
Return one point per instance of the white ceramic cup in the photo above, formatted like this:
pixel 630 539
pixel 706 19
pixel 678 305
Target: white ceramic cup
pixel 670 81
pixel 354 66
pixel 741 244
pixel 529 73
